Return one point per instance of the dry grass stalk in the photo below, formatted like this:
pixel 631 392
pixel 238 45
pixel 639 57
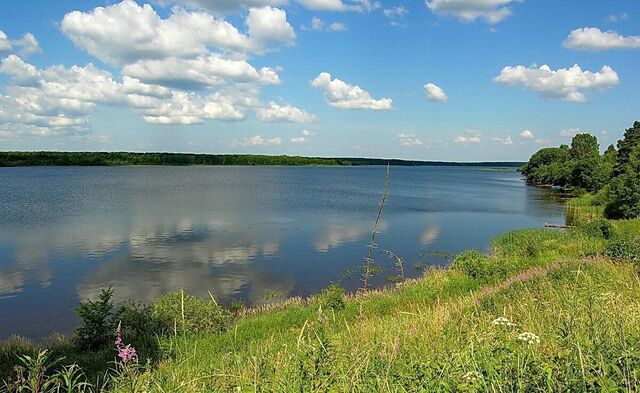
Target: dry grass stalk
pixel 368 260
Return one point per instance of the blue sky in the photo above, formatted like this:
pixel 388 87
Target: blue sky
pixel 463 80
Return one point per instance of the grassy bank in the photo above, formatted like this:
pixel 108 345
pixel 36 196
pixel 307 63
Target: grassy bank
pixel 546 311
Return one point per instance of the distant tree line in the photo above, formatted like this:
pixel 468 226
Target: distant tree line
pixel 614 177
pixel 49 158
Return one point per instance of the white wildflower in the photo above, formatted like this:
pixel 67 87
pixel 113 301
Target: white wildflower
pixel 529 338
pixel 472 376
pixel 502 321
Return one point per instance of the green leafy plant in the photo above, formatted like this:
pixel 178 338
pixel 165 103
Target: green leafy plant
pixel 624 249
pixel 472 263
pixel 600 228
pixel 37 374
pixel 332 297
pixel 98 322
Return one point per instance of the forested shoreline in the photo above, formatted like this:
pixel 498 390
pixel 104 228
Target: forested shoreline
pixel 612 179
pixel 53 158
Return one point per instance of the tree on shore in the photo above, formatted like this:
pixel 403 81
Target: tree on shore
pixel 624 200
pixel 614 176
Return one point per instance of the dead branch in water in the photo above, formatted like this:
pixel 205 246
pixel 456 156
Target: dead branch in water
pixel 368 260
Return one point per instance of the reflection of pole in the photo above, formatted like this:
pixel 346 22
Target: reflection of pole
pixel 368 260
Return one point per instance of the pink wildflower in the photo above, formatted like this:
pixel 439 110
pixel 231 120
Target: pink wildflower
pixel 125 353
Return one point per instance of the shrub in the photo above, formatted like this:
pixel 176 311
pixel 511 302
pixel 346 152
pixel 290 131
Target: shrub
pixel 473 263
pixel 98 322
pixel 624 249
pixel 188 314
pixel 332 297
pixel 140 328
pixel 600 228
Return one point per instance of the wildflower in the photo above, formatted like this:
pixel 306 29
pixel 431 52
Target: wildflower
pixel 472 376
pixel 529 338
pixel 126 353
pixel 502 321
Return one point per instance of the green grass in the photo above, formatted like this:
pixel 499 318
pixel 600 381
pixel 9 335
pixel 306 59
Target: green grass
pixel 436 333
pixel 584 207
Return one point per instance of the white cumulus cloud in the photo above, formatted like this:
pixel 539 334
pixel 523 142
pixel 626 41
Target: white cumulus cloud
pixel 221 6
pixel 396 15
pixel 318 24
pixel 594 39
pixel 526 134
pixel 126 32
pixel 22 74
pixel 258 140
pixel 409 140
pixel 188 108
pixel 435 93
pixel 339 5
pixel 198 72
pixel 471 136
pixel 269 25
pixel 274 112
pixel 304 138
pixel 185 67
pixel 491 11
pixel 613 18
pixel 342 95
pixel 507 141
pixel 565 83
pixel 5 44
pixel 25 46
pixel 570 132
pixel 59 100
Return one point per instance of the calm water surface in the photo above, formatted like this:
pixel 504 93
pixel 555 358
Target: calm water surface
pixel 238 232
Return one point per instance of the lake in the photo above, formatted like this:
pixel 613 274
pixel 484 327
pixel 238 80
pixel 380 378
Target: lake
pixel 253 234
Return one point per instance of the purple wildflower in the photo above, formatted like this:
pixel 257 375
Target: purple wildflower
pixel 125 353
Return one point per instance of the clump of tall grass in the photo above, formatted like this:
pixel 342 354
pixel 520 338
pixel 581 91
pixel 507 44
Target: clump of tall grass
pixel 585 207
pixel 38 374
pixel 178 312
